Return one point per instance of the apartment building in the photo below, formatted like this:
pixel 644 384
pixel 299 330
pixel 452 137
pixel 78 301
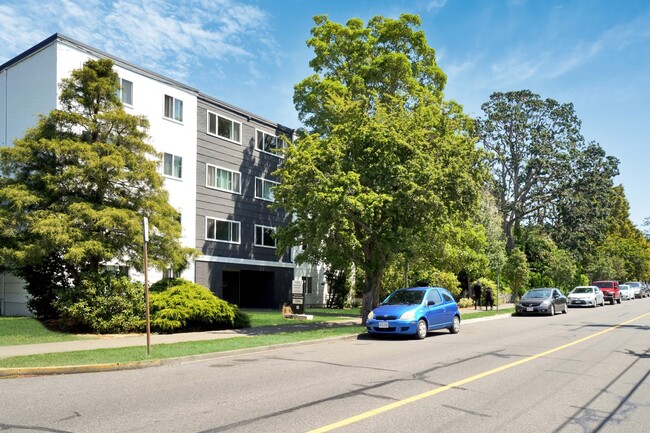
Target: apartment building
pixel 218 162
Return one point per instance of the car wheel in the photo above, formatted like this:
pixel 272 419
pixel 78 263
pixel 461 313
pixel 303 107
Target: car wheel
pixel 618 301
pixel 552 310
pixel 421 331
pixel 455 325
pixel 566 309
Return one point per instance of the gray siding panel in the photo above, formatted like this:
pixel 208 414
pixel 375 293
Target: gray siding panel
pixel 243 207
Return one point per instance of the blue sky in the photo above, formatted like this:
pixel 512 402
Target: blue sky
pixel 250 53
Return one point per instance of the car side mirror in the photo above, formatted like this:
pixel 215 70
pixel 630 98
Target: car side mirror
pixel 430 303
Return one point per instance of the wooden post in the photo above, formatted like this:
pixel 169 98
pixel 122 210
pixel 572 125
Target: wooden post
pixel 146 282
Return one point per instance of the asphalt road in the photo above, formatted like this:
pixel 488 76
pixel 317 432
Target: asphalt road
pixel 586 371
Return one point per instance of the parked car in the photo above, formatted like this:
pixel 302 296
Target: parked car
pixel 585 296
pixel 415 311
pixel 610 290
pixel 638 289
pixel 627 292
pixel 646 290
pixel 542 301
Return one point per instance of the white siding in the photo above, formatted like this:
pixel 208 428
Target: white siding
pixel 13 298
pixel 28 90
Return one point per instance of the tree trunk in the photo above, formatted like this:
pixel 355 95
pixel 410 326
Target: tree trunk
pixel 508 228
pixel 370 295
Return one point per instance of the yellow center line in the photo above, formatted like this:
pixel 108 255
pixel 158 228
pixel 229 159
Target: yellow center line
pixel 458 383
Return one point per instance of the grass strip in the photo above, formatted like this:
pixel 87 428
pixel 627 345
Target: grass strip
pixel 485 313
pixel 175 350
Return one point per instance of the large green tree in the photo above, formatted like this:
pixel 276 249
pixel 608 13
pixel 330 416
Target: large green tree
pixel 625 248
pixel 583 206
pixel 543 170
pixel 76 187
pixel 384 157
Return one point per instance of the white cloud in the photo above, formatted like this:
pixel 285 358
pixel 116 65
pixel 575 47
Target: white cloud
pixel 435 5
pixel 526 62
pixel 168 37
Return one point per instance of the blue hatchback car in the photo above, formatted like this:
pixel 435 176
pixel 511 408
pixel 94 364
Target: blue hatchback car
pixel 415 311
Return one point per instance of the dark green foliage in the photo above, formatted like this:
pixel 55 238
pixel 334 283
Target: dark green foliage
pixel 103 303
pixel 45 282
pixel 339 288
pixel 187 306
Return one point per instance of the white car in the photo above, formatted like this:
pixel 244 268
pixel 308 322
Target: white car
pixel 585 296
pixel 627 292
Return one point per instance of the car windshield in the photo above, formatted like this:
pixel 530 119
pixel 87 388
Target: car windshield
pixel 405 297
pixel 624 287
pixel 583 290
pixel 537 294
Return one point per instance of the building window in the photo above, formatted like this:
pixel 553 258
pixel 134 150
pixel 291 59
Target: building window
pixel 222 230
pixel 173 108
pixel 268 143
pixel 265 236
pixel 264 189
pixel 224 127
pixel 307 284
pixel 126 92
pixel 220 178
pixel 172 165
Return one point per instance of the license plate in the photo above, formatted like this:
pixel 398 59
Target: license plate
pixel 529 309
pixel 383 325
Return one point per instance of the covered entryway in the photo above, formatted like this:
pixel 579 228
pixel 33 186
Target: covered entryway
pixel 247 286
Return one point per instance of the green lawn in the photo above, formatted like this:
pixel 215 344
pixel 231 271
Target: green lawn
pixel 27 330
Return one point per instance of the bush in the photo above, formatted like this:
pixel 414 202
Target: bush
pixel 187 306
pixel 448 280
pixel 103 303
pixel 242 320
pixel 465 302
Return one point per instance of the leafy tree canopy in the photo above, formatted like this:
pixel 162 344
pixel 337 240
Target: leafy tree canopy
pixel 384 159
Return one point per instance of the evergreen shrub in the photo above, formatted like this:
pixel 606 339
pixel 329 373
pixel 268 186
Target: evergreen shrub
pixel 186 306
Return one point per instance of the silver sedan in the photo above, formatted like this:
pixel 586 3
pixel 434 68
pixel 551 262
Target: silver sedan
pixel 586 296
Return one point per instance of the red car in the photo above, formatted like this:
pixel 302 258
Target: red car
pixel 610 290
